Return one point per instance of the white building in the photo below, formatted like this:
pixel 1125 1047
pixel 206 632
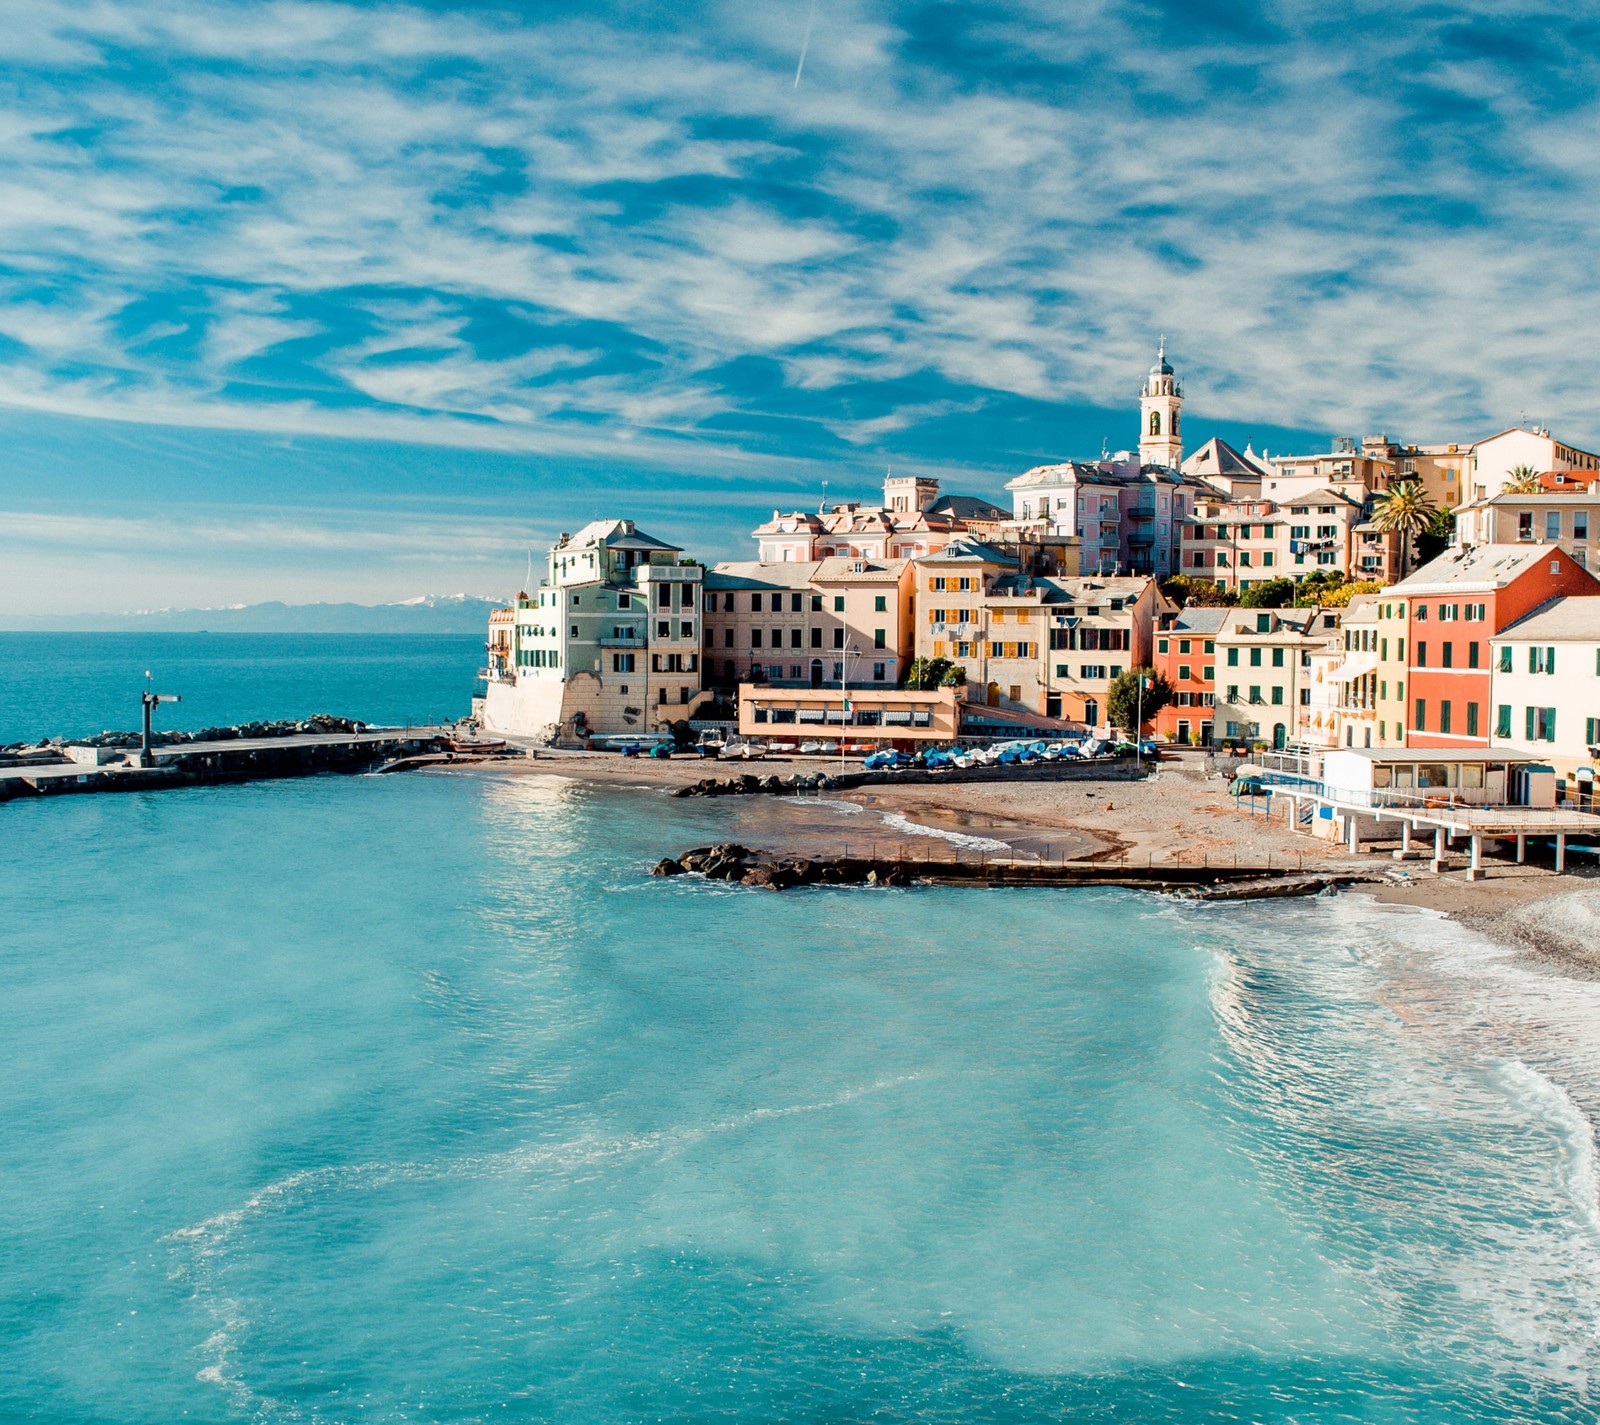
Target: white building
pixel 1490 462
pixel 1545 688
pixel 609 643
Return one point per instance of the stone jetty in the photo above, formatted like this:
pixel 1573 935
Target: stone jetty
pixel 729 861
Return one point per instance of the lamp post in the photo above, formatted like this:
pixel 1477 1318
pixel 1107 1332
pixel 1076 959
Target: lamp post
pixel 845 655
pixel 1138 727
pixel 150 701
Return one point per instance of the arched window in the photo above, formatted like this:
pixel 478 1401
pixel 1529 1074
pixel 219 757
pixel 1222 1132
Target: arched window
pixel 1155 422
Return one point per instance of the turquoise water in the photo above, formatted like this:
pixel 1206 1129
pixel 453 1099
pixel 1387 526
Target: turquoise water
pixel 413 1099
pixel 78 684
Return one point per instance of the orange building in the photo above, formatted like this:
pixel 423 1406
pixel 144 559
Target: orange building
pixel 1186 655
pixel 1448 611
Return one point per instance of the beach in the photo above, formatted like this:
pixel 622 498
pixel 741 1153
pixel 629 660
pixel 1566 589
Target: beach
pixel 1180 813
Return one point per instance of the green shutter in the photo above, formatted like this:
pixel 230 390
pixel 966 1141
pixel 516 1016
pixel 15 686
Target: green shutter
pixel 1528 732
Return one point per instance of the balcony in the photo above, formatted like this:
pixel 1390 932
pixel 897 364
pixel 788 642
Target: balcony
pixel 628 640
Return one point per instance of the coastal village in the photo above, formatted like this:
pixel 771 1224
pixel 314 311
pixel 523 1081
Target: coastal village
pixel 1391 641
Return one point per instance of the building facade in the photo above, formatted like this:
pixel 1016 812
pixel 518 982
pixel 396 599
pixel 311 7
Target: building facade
pixel 1186 656
pixel 609 643
pixel 1262 656
pixel 1490 462
pixel 1546 689
pixel 1567 516
pixel 808 624
pixel 1454 607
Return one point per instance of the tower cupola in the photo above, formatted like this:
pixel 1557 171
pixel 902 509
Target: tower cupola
pixel 1160 409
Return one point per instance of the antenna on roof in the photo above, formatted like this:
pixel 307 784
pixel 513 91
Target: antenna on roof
pixel 1105 448
pixel 822 509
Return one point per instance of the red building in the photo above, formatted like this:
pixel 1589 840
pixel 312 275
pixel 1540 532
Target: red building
pixel 1454 606
pixel 1186 654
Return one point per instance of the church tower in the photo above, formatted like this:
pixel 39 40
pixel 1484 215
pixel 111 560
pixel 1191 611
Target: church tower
pixel 1160 404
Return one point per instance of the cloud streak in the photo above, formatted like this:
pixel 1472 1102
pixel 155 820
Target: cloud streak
pixel 566 234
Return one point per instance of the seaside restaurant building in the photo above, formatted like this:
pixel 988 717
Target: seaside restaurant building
pixel 1368 794
pixel 886 716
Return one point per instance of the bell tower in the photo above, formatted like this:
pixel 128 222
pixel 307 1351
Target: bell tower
pixel 1160 406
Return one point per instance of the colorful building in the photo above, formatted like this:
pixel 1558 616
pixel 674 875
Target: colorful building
pixel 1260 681
pixel 1186 655
pixel 1452 608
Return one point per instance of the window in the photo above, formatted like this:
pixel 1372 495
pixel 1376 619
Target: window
pixel 1541 725
pixel 1541 660
pixel 1208 673
pixel 1184 672
pixel 838 638
pixel 879 672
pixel 1472 654
pixel 838 603
pixel 755 603
pixel 1422 715
pixel 1211 645
pixel 796 637
pixel 1277 695
pixel 816 603
pixel 1277 658
pixel 755 638
pixel 1505 662
pixel 1472 719
pixel 880 603
pixel 1422 613
pixel 816 638
pixel 878 638
pixel 574 630
pixel 994 650
pixel 727 638
pixel 1263 623
pixel 1552 524
pixel 1255 692
pixel 1580 524
pixel 1233 692
pixel 711 602
pixel 1422 655
pixel 1233 658
pixel 1449 655
pixel 622 662
pixel 1444 715
pixel 663 627
pixel 1183 645
pixel 1163 645
pixel 1255 657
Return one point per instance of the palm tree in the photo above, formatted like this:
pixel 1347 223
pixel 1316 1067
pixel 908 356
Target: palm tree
pixel 1521 480
pixel 1407 510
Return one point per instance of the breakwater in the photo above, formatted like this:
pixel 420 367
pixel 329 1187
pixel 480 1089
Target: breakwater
pixel 799 783
pixel 250 752
pixel 763 870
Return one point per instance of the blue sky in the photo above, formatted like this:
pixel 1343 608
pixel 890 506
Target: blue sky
pixel 308 300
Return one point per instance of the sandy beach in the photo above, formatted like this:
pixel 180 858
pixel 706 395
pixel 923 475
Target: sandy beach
pixel 1179 814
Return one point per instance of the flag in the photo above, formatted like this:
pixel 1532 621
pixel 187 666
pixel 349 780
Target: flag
pixel 849 706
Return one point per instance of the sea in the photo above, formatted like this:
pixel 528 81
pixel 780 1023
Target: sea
pixel 78 684
pixel 416 1099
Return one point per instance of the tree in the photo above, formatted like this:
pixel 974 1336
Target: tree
pixel 1202 593
pixel 1435 539
pixel 927 673
pixel 1268 594
pixel 1521 480
pixel 956 677
pixel 1405 509
pixel 1339 595
pixel 1123 702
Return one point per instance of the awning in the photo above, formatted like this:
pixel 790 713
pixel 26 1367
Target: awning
pixel 901 716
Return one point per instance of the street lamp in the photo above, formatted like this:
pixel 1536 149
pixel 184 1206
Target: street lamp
pixel 150 702
pixel 845 656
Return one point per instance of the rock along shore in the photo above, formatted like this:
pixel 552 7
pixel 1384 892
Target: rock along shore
pixel 729 861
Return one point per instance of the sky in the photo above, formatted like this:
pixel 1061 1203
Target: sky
pixel 323 301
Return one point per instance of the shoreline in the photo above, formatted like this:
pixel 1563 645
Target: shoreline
pixel 1178 816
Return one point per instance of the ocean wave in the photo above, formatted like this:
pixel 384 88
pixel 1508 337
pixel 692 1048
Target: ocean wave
pixel 899 822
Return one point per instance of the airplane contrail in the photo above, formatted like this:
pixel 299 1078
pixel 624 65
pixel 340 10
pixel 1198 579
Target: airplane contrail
pixel 805 44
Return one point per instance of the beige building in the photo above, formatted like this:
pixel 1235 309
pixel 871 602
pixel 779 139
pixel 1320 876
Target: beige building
pixel 808 624
pixel 609 643
pixel 879 715
pixel 1389 703
pixel 1545 689
pixel 1044 647
pixel 1439 468
pixel 1263 656
pixel 1567 517
pixel 1339 695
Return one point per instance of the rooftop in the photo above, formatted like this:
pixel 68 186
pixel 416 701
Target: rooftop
pixel 1575 616
pixel 1477 568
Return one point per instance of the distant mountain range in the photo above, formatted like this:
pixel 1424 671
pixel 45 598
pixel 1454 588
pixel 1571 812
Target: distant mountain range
pixel 430 613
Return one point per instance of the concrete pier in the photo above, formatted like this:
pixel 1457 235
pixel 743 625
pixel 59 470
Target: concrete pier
pixel 243 759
